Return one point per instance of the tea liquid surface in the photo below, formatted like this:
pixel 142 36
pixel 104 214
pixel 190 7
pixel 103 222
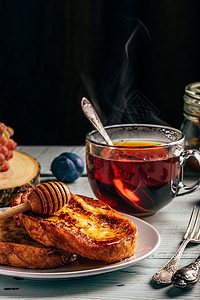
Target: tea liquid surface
pixel 136 143
pixel 134 180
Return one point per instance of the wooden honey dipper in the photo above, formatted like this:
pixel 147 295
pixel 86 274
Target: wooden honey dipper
pixel 46 198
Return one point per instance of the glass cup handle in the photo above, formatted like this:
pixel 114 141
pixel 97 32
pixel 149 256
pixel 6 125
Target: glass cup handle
pixel 182 160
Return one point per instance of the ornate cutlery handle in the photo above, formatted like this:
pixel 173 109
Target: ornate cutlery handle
pixel 188 275
pixel 164 275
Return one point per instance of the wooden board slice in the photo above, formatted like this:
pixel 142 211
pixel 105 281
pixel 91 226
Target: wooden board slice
pixel 24 172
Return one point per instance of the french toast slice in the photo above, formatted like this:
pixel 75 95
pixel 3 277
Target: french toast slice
pixel 87 227
pixel 17 249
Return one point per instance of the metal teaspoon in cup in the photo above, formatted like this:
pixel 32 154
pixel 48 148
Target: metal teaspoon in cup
pixel 92 116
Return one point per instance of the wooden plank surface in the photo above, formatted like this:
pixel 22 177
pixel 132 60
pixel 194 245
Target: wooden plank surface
pixel 131 283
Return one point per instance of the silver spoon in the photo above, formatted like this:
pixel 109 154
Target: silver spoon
pixel 188 275
pixel 92 116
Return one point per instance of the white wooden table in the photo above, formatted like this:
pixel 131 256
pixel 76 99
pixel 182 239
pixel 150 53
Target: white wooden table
pixel 130 283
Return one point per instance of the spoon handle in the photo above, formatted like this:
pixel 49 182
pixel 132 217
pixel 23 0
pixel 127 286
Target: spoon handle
pixel 164 275
pixel 188 275
pixel 92 116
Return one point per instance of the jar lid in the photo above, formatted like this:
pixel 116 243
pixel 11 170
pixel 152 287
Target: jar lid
pixel 193 90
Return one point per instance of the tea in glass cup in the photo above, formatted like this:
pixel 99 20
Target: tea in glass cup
pixel 142 171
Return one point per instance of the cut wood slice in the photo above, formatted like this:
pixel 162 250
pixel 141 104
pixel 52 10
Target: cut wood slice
pixel 24 172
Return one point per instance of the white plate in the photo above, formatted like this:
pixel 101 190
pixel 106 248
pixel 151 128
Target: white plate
pixel 148 242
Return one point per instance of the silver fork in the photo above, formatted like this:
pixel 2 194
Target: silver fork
pixel 164 275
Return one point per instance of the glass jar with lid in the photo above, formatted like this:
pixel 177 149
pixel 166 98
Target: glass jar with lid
pixel 191 123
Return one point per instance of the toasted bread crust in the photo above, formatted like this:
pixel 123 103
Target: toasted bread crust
pixel 17 249
pixel 31 257
pixel 86 227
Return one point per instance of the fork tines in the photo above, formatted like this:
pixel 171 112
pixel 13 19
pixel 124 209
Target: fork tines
pixel 192 226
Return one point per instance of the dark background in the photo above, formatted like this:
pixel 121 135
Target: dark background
pixel 54 52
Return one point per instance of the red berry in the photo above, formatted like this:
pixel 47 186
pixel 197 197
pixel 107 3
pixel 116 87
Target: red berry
pixel 9 155
pixel 5 166
pixel 3 140
pixel 11 144
pixel 2 158
pixel 4 150
pixel 2 128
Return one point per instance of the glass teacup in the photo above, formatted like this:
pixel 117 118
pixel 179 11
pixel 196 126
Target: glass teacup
pixel 142 171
